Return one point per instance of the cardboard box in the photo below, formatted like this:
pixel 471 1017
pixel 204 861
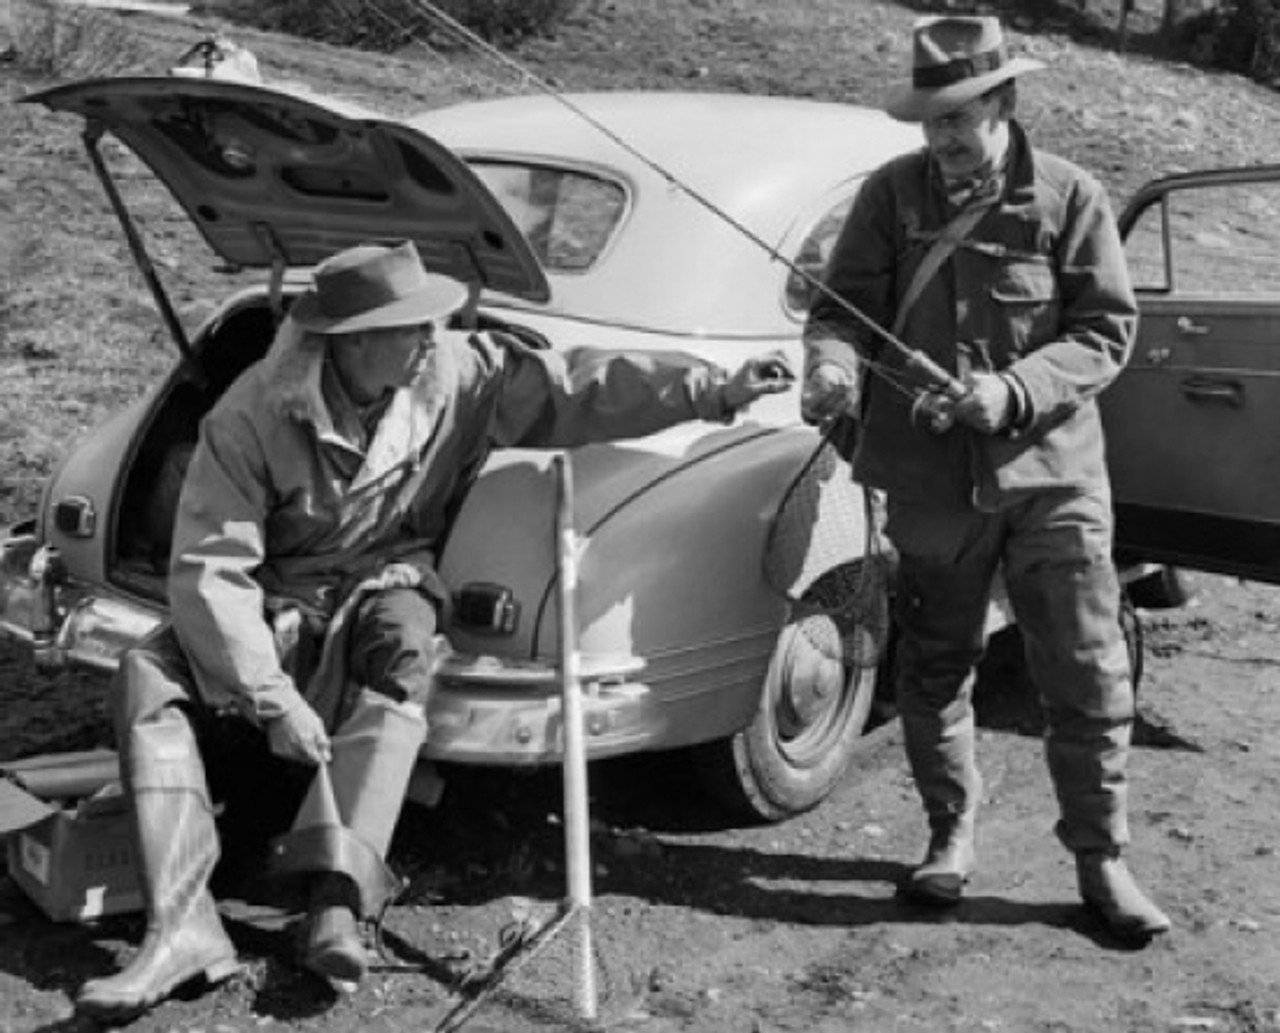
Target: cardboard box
pixel 75 859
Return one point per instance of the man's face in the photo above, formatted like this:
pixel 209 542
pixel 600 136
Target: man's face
pixel 377 361
pixel 967 138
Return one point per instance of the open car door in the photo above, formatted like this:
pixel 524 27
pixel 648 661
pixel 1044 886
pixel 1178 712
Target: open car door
pixel 1193 423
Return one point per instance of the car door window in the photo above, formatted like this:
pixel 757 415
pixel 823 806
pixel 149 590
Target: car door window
pixel 1220 239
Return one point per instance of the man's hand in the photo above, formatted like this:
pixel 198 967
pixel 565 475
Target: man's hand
pixel 829 391
pixel 763 375
pixel 988 405
pixel 298 734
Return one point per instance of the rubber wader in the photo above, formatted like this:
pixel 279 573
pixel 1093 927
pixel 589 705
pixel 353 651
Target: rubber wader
pixel 945 774
pixel 177 847
pixel 341 835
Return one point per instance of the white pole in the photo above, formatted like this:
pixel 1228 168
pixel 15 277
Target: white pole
pixel 576 825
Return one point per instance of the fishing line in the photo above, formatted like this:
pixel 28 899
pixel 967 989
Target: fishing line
pixel 913 359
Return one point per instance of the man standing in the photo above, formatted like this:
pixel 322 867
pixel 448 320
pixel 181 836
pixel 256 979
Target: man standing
pixel 1003 265
pixel 303 593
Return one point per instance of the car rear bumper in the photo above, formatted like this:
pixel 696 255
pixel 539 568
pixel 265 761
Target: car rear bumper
pixel 485 709
pixel 489 711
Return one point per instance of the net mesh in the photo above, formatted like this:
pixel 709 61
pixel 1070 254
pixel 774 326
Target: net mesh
pixel 825 553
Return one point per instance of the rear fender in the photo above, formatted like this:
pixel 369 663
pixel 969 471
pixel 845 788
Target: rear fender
pixel 675 576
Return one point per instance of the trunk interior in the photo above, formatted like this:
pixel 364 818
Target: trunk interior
pixel 143 530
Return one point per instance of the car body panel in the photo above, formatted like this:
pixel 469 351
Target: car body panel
pixel 1193 423
pixel 672 642
pixel 776 164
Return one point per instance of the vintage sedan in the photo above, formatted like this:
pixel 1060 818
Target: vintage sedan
pixel 696 235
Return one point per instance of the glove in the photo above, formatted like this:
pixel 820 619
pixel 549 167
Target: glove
pixel 988 405
pixel 298 734
pixel 829 391
pixel 763 375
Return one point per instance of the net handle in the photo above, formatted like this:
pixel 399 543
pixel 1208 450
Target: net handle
pixel 577 823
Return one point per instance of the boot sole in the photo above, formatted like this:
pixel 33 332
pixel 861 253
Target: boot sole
pixel 336 966
pixel 1136 934
pixel 125 1010
pixel 936 891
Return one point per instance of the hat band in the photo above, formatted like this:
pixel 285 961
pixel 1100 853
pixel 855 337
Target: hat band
pixel 959 69
pixel 353 292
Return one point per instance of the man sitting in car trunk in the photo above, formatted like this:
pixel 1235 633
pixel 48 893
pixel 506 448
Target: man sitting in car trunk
pixel 303 592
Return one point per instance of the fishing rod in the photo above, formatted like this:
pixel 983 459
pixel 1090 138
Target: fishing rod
pixel 914 360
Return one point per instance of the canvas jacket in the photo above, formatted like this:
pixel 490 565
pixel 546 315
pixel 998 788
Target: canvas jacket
pixel 277 506
pixel 1038 289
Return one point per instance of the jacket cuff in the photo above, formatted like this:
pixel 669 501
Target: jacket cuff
pixel 713 405
pixel 1021 413
pixel 832 351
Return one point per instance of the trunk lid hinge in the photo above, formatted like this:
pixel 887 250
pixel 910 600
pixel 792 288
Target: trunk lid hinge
pixel 475 285
pixel 279 263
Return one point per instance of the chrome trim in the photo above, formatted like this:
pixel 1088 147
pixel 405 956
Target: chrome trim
pixel 503 728
pixel 26 601
pixel 480 669
pixel 99 629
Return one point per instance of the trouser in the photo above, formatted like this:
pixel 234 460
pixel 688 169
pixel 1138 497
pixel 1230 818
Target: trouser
pixel 1055 549
pixel 379 725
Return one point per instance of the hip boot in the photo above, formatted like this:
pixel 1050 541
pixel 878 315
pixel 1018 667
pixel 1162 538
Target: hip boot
pixel 948 864
pixel 343 831
pixel 177 848
pixel 1110 891
pixel 940 749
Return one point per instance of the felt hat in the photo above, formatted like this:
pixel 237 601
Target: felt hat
pixel 372 287
pixel 953 61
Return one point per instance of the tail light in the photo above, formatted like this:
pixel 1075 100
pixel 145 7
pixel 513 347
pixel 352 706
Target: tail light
pixel 486 609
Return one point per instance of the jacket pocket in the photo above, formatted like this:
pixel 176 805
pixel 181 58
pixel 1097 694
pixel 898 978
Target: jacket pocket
pixel 1026 292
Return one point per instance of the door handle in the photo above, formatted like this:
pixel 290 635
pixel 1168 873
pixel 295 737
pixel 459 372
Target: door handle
pixel 1209 389
pixel 1187 325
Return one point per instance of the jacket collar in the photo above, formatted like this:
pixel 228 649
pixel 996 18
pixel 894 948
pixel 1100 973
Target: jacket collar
pixel 1022 167
pixel 1020 173
pixel 295 364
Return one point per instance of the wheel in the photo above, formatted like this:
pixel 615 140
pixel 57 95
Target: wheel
pixel 812 712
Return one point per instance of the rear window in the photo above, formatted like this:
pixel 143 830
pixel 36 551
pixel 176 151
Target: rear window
pixel 569 217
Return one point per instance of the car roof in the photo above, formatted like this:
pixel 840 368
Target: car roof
pixel 772 165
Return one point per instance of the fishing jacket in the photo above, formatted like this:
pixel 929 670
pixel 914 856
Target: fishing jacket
pixel 1037 290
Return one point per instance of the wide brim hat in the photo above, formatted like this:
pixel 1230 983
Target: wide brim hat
pixel 953 61
pixel 375 287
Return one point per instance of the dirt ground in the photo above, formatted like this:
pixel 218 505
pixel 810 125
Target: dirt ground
pixel 700 925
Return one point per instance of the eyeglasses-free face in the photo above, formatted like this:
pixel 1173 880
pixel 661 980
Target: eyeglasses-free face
pixel 373 362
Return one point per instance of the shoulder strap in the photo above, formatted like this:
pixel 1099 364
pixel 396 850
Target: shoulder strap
pixel 952 234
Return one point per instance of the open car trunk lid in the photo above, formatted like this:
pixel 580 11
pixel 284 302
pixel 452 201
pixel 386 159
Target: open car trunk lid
pixel 275 176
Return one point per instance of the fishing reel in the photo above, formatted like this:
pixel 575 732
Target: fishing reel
pixel 933 411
